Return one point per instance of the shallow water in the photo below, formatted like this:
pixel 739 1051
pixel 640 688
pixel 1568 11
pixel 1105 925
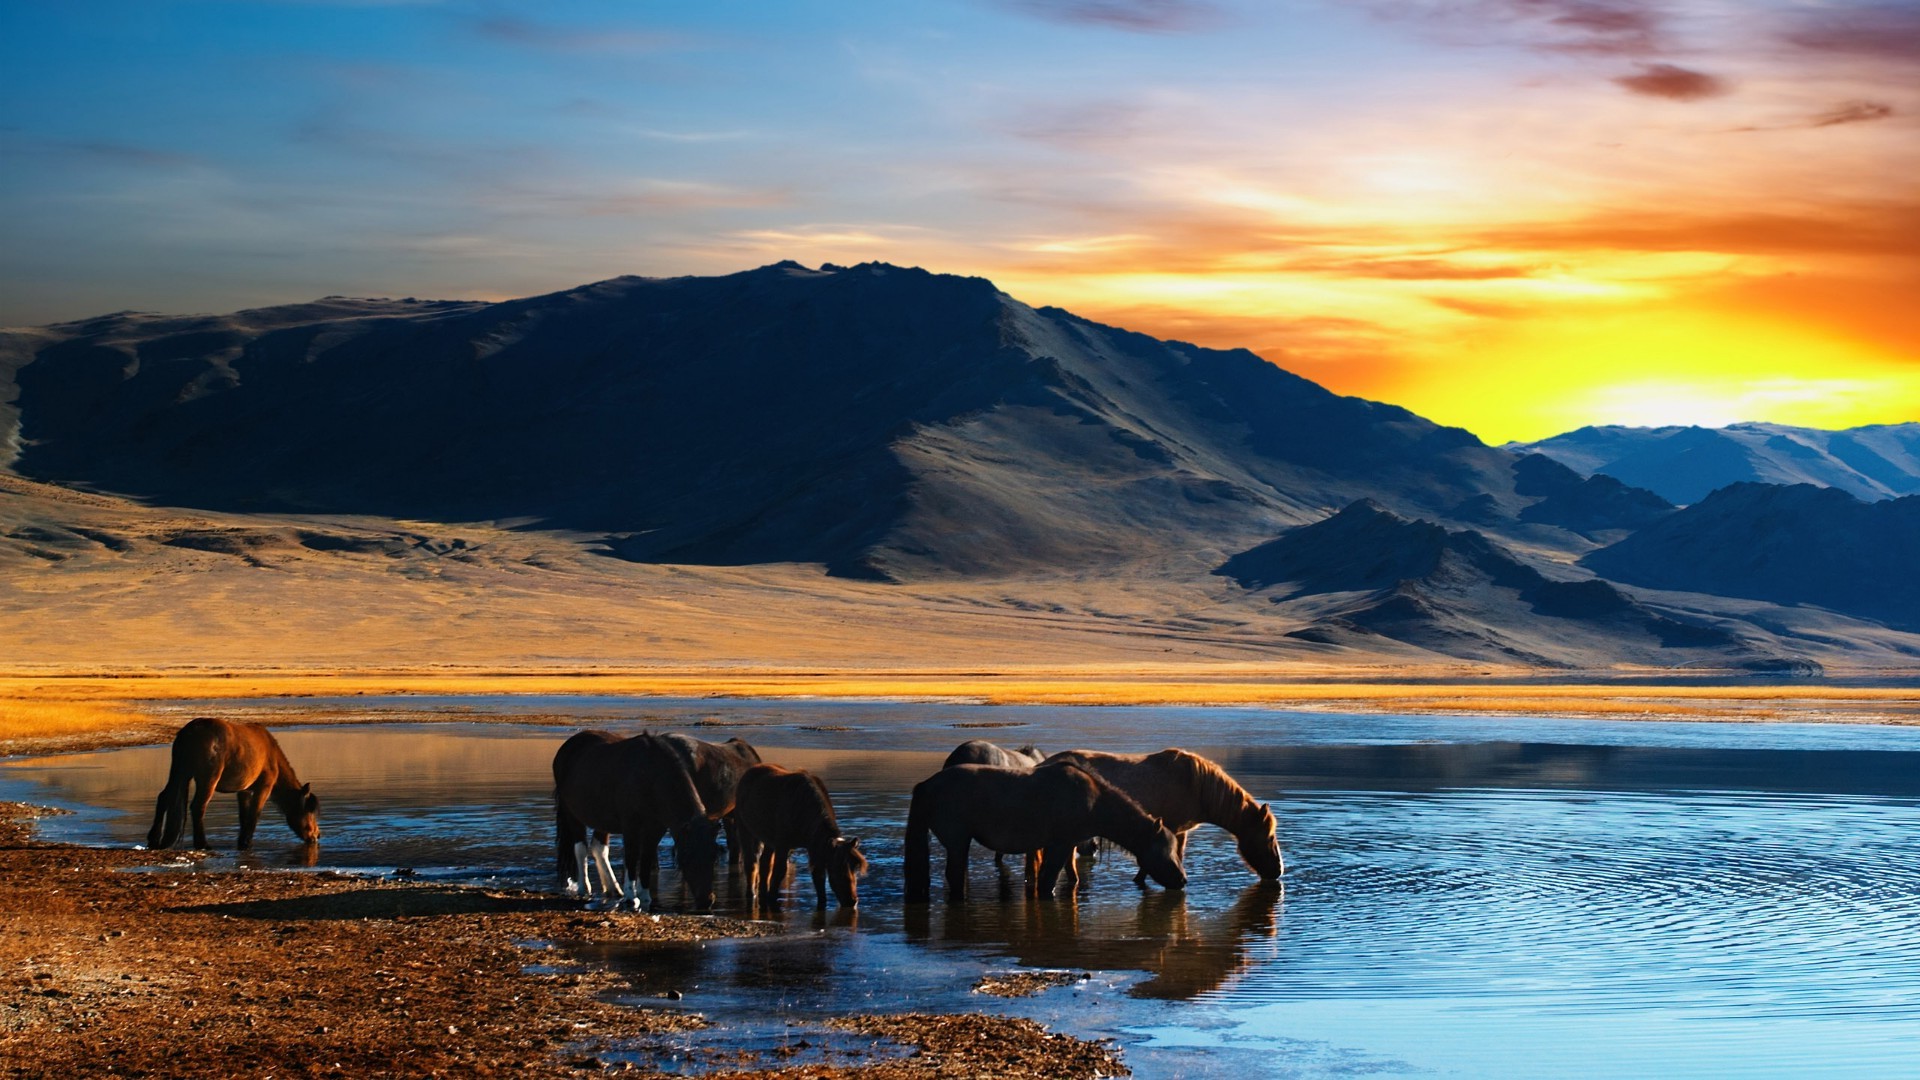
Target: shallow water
pixel 1497 897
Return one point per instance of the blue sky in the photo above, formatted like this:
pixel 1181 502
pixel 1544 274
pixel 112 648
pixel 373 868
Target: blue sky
pixel 1380 195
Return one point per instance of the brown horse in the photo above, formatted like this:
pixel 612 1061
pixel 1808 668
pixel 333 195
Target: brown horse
pixel 1049 810
pixel 639 788
pixel 716 770
pixel 782 809
pixel 1184 790
pixel 219 755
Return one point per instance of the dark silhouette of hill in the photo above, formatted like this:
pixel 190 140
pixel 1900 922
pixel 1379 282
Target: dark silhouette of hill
pixel 886 422
pixel 1452 591
pixel 1587 505
pixel 1684 464
pixel 1795 544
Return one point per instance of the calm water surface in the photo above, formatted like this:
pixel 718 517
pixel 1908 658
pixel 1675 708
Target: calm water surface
pixel 1464 897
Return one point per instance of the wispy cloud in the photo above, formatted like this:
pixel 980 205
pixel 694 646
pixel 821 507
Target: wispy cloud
pixel 550 37
pixel 1885 31
pixel 1590 27
pixel 1137 16
pixel 1672 82
pixel 1852 112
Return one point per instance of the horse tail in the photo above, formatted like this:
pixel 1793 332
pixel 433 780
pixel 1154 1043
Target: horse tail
pixel 169 810
pixel 919 860
pixel 568 831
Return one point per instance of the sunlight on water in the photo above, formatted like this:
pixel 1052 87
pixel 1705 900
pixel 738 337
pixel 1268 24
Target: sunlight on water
pixel 1463 897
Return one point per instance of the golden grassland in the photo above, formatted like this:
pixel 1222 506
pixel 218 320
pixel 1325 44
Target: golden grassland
pixel 53 708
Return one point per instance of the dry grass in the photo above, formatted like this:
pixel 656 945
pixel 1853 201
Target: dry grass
pixel 52 709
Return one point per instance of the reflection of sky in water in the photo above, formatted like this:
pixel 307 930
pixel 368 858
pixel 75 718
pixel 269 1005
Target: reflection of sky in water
pixel 1464 897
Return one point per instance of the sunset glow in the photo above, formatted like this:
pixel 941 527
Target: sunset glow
pixel 1517 216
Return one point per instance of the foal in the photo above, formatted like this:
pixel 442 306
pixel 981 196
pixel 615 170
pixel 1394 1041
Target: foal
pixel 782 809
pixel 220 755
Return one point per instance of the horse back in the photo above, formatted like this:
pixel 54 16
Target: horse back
pixel 238 753
pixel 781 807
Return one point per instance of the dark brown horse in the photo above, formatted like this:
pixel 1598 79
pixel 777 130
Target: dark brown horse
pixel 1185 790
pixel 982 752
pixel 782 809
pixel 641 789
pixel 1049 810
pixel 716 770
pixel 219 755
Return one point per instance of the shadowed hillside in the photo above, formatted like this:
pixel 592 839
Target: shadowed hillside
pixel 886 422
pixel 1796 544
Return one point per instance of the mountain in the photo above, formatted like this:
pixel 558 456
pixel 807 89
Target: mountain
pixel 886 422
pixel 1683 464
pixel 1369 572
pixel 1797 544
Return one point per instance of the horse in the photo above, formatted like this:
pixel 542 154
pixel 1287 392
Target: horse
pixel 221 755
pixel 716 770
pixel 782 809
pixel 1049 809
pixel 641 789
pixel 1185 790
pixel 982 752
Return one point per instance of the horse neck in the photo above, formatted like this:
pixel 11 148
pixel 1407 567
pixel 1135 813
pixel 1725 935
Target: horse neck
pixel 1221 801
pixel 1121 820
pixel 682 794
pixel 286 793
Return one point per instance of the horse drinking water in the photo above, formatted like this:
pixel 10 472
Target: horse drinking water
pixel 1049 809
pixel 641 789
pixel 1184 790
pixel 782 809
pixel 220 755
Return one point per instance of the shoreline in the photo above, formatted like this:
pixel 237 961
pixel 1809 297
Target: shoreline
pixel 327 974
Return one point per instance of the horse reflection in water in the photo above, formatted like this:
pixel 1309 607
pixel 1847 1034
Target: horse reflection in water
pixel 1186 953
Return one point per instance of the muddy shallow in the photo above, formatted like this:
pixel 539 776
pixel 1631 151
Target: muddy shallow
pixel 1501 897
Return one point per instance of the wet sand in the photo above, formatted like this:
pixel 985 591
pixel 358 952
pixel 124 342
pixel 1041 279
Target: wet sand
pixel 260 973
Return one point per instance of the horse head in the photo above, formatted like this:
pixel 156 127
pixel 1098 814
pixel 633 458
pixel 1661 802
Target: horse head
pixel 1258 844
pixel 1157 858
pixel 303 814
pixel 845 864
pixel 695 848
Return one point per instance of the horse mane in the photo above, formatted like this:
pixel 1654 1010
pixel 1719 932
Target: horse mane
pixel 679 760
pixel 1227 803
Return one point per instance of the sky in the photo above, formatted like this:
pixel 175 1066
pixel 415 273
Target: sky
pixel 1514 216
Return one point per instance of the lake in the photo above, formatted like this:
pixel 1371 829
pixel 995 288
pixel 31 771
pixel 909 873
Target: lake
pixel 1464 897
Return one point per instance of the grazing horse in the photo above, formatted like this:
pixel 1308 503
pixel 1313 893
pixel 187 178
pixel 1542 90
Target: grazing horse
pixel 219 755
pixel 982 752
pixel 716 769
pixel 1185 790
pixel 782 809
pixel 639 788
pixel 1049 810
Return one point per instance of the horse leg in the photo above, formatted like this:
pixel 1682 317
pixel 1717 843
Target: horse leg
pixel 643 865
pixel 197 808
pixel 251 801
pixel 1055 860
pixel 600 848
pixel 817 862
pixel 957 853
pixel 765 887
pixel 580 882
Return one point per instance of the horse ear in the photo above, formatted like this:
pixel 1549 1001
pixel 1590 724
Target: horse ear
pixel 306 789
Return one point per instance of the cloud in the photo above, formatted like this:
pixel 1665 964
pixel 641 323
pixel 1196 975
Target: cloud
pixel 1874 230
pixel 1672 82
pixel 1852 112
pixel 547 37
pixel 1884 31
pixel 1137 16
pixel 1587 27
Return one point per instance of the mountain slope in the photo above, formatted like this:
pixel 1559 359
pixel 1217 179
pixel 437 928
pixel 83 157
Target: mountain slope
pixel 1374 573
pixel 1797 544
pixel 1683 464
pixel 886 422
